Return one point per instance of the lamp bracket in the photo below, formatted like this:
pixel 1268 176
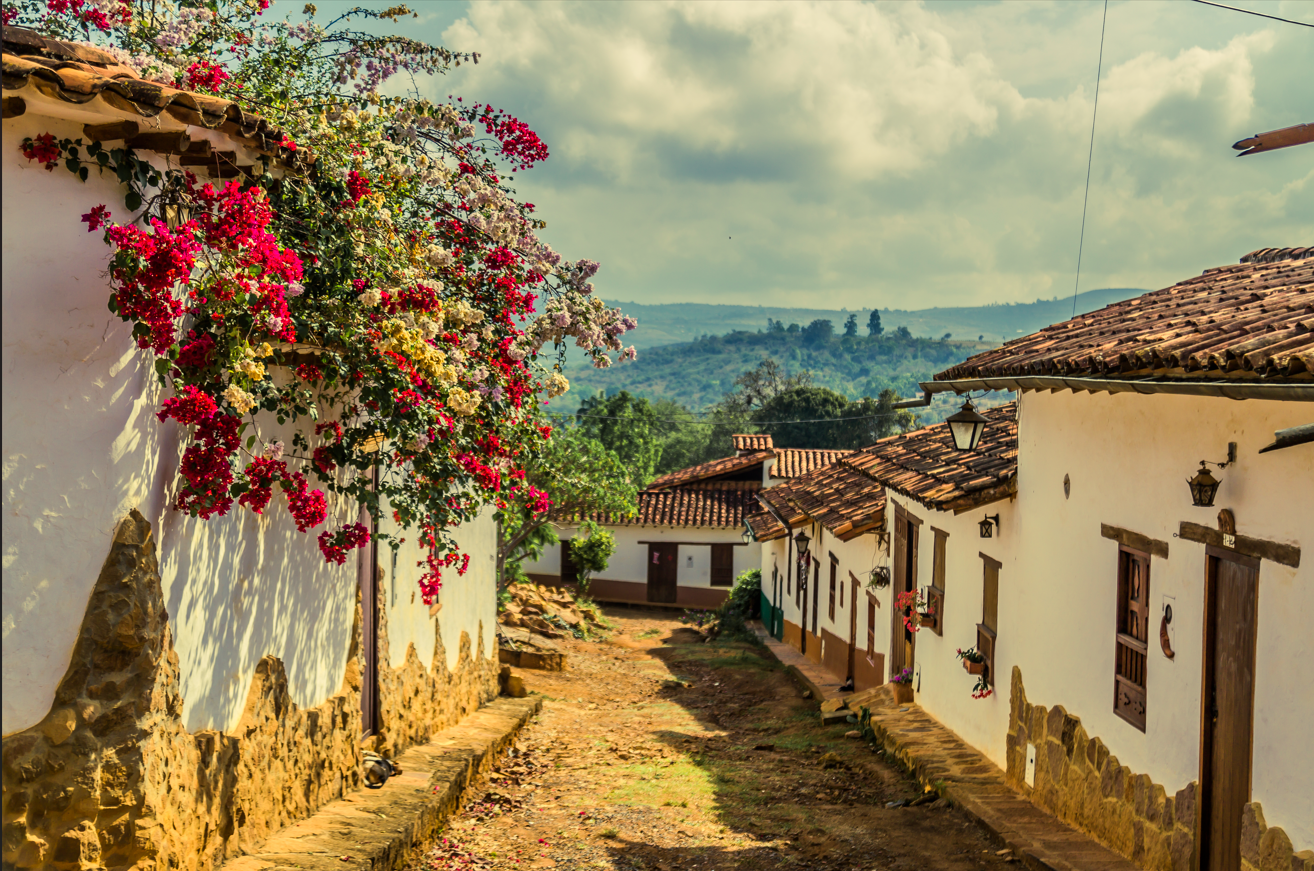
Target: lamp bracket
pixel 1231 458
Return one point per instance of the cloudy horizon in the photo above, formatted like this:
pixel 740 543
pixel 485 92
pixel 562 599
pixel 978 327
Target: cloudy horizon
pixel 903 155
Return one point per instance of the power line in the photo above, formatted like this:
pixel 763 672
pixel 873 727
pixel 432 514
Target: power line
pixel 1252 12
pixel 881 416
pixel 1081 241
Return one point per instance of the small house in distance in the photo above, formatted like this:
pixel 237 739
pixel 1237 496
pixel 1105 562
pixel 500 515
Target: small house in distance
pixel 687 543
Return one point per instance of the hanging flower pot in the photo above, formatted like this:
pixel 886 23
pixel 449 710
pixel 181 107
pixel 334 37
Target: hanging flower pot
pixel 973 667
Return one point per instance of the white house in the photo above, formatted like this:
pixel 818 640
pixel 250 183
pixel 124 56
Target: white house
pixel 894 517
pixel 687 543
pixel 174 690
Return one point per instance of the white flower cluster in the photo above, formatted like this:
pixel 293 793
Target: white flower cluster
pixel 181 31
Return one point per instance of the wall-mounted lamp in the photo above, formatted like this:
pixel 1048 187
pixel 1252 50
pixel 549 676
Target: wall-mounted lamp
pixel 1204 485
pixel 987 530
pixel 747 534
pixel 801 541
pixel 966 427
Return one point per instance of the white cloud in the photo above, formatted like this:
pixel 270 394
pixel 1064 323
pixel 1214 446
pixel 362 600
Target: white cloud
pixel 900 154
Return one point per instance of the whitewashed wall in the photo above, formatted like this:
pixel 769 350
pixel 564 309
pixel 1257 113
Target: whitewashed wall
pixel 469 601
pixel 82 447
pixel 630 561
pixel 1128 457
pixel 942 688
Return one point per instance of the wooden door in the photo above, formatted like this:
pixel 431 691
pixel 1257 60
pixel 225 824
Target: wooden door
pixel 367 573
pixel 662 572
pixel 816 595
pixel 853 625
pixel 1231 620
pixel 898 651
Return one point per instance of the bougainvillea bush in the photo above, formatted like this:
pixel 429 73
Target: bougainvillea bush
pixel 386 296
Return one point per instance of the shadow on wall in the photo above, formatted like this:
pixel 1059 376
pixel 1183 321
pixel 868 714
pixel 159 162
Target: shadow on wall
pixel 246 586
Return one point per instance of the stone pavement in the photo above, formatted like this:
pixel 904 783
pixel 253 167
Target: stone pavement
pixel 939 758
pixel 380 829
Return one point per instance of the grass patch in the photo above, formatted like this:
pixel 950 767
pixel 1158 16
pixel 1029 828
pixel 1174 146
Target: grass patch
pixel 608 833
pixel 649 633
pixel 675 785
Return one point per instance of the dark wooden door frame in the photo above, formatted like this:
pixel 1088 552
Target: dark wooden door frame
pixel 853 626
pixel 802 580
pixel 1213 555
pixel 367 571
pixel 903 644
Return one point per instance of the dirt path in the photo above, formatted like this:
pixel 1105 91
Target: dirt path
pixel 658 751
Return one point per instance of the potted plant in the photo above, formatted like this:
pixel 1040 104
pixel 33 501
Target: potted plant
pixel 903 688
pixel 974 663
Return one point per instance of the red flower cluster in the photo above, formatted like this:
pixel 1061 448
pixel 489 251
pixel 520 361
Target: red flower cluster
pixel 205 76
pixel 308 507
pixel 261 473
pixel 145 271
pixel 519 143
pixel 334 545
pixel 43 149
pixel 358 186
pixel 78 9
pixel 207 462
pixel 96 218
pixel 310 372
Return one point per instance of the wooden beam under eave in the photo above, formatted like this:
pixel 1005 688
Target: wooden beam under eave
pixel 1285 554
pixel 115 130
pixel 1300 134
pixel 981 498
pixel 14 106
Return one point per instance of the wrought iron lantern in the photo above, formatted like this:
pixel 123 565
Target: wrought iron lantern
pixel 966 427
pixel 802 541
pixel 747 534
pixel 987 529
pixel 1203 487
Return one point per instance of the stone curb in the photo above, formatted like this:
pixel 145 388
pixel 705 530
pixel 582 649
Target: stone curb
pixel 381 830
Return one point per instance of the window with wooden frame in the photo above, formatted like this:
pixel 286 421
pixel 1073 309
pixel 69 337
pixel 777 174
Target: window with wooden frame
pixel 935 594
pixel 986 629
pixel 1133 635
pixel 723 565
pixel 834 584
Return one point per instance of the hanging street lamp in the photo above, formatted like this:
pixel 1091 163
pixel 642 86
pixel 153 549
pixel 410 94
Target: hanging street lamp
pixel 966 427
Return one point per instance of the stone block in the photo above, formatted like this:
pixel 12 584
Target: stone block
pixel 1303 861
pixel 1096 754
pixel 1107 774
pixel 1253 828
pixel 1141 794
pixel 1169 819
pixel 1054 723
pixel 1185 806
pixel 1055 762
pixel 1275 850
pixel 1036 723
pixel 1154 807
pixel 1077 752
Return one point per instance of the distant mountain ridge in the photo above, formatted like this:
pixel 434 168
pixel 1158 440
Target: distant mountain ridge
pixel 672 323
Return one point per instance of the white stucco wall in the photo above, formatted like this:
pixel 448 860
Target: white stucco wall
pixel 1128 457
pixel 859 556
pixel 942 688
pixel 82 447
pixel 469 601
pixel 630 561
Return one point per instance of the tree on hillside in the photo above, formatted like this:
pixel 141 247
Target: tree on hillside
pixel 580 477
pixel 803 417
pixel 851 325
pixel 870 420
pixel 818 332
pixel 775 326
pixel 874 327
pixel 793 329
pixel 627 426
pixel 759 385
pixel 902 333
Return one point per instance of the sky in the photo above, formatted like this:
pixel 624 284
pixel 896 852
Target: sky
pixel 894 154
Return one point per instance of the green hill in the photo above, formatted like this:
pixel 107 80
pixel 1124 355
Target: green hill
pixel 671 323
pixel 680 361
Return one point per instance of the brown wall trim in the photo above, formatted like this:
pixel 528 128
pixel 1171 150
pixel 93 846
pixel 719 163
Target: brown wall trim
pixel 991 560
pixel 1285 554
pixel 1134 540
pixel 938 531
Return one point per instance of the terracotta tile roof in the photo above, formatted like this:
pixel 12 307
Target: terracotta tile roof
pixel 841 497
pixel 765 527
pixel 793 462
pixel 75 73
pixel 711 469
pixel 715 504
pixel 1253 321
pixel 925 466
pixel 752 442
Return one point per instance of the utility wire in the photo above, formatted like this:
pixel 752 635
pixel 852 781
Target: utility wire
pixel 1252 12
pixel 882 415
pixel 1081 241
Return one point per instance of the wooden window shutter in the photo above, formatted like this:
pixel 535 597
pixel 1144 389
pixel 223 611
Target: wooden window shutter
pixel 989 625
pixel 723 565
pixel 935 594
pixel 1133 635
pixel 871 627
pixel 834 583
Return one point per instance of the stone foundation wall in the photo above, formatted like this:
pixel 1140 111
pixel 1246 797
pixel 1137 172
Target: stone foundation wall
pixel 111 778
pixel 1082 783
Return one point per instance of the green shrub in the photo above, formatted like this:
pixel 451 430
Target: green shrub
pixel 743 604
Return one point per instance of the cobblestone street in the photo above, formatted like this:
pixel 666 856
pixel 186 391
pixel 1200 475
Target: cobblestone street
pixel 656 750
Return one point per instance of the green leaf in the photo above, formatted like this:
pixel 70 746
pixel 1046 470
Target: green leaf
pixel 250 442
pixel 114 303
pixel 132 201
pixel 83 172
pixel 162 365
